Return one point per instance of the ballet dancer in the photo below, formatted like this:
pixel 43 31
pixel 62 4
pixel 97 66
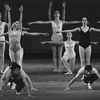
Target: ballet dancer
pixel 84 43
pixel 57 25
pixel 90 76
pixel 14 33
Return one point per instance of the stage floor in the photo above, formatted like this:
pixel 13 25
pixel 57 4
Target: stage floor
pixel 51 85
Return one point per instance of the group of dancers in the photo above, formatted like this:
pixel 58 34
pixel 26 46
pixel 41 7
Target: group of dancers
pixel 15 73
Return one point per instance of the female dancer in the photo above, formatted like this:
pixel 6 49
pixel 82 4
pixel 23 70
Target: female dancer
pixel 2 44
pixel 14 33
pixel 57 25
pixel 68 58
pixel 84 43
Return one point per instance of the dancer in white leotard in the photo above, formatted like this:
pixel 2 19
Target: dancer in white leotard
pixel 69 56
pixel 57 25
pixel 14 33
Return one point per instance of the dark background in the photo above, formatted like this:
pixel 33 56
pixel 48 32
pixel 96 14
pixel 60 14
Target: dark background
pixel 35 10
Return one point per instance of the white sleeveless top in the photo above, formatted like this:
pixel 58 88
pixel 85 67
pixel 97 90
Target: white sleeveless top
pixel 69 49
pixel 56 37
pixel 2 30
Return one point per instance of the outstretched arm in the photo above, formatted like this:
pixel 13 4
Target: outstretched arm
pixel 94 29
pixel 49 11
pixel 33 33
pixel 73 30
pixel 21 17
pixel 39 22
pixel 52 42
pixel 95 43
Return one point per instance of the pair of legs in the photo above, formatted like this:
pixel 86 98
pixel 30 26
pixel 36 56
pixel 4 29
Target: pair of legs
pixel 69 64
pixel 85 55
pixel 16 56
pixel 57 55
pixel 2 52
pixel 89 80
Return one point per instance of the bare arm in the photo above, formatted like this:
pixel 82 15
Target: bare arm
pixel 49 11
pixel 95 43
pixel 94 29
pixel 63 15
pixel 73 30
pixel 21 17
pixel 33 33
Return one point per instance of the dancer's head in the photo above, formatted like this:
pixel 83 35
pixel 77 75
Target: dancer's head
pixel 84 21
pixel 56 14
pixel 15 68
pixel 16 25
pixel 88 69
pixel 69 35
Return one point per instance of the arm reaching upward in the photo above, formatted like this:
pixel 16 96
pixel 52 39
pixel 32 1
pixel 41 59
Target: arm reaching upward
pixel 49 11
pixel 51 42
pixel 63 15
pixel 9 16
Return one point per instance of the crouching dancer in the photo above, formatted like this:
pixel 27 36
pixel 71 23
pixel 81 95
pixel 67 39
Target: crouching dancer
pixel 15 74
pixel 90 75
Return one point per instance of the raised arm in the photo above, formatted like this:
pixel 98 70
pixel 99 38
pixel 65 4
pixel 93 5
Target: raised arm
pixel 52 42
pixel 49 11
pixel 21 17
pixel 9 16
pixel 72 22
pixel 34 33
pixel 64 11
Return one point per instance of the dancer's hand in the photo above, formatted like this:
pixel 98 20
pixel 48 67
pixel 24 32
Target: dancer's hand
pixel 67 88
pixel 43 42
pixel 30 95
pixel 21 8
pixel 64 4
pixel 50 3
pixel 33 89
pixel 7 7
pixel 46 34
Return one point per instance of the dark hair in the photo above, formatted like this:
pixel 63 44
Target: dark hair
pixel 14 65
pixel 88 67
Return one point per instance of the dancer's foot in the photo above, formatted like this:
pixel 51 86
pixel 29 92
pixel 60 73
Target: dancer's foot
pixel 55 70
pixel 60 70
pixel 69 73
pixel 89 86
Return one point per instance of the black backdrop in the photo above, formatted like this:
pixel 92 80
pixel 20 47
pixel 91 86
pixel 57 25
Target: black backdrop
pixel 35 10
